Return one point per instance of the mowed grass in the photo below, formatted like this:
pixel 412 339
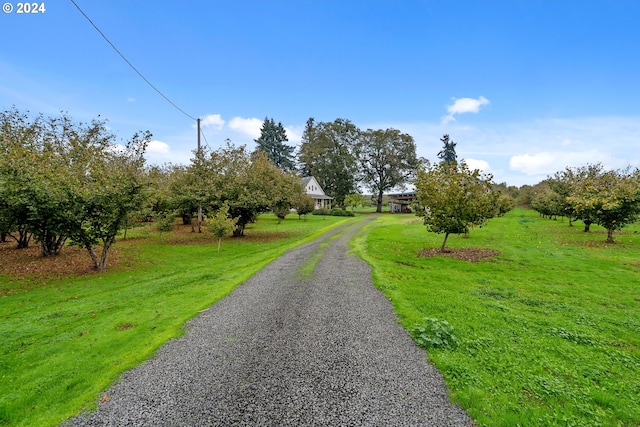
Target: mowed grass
pixel 547 333
pixel 63 341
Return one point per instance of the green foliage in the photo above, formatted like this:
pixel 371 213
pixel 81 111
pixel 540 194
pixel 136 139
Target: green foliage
pixel 332 212
pixel 327 153
pixel 165 221
pixel 547 332
pixel 340 212
pixel 64 180
pixel 221 224
pixel 272 143
pixel 354 200
pixel 607 198
pixel 249 184
pixel 452 198
pixel 303 204
pixel 387 160
pixel 448 153
pixel 434 333
pixel 505 204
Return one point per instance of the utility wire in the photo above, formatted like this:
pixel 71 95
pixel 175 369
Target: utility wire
pixel 130 64
pixel 205 139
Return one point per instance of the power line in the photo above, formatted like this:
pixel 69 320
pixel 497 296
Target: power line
pixel 130 64
pixel 205 139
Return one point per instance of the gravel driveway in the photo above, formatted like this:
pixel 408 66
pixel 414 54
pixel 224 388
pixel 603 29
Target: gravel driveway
pixel 292 346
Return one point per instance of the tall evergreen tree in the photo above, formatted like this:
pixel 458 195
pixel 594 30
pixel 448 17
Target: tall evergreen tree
pixel 448 153
pixel 272 141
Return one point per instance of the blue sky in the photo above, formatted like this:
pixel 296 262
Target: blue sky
pixel 525 88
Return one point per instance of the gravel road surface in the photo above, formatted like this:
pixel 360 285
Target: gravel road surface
pixel 292 346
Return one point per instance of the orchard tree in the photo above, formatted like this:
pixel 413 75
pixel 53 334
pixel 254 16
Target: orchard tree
pixel 611 199
pixel 387 160
pixel 63 180
pixel 20 137
pixel 452 198
pixel 448 153
pixel 547 202
pixel 303 204
pixel 221 224
pixel 250 184
pixel 327 153
pixel 354 200
pixel 581 174
pixel 114 187
pixel 272 142
pixel 562 184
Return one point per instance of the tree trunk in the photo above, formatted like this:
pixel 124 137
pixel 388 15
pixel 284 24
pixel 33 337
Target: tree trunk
pixel 3 237
pixel 238 231
pixel 610 235
pixel 587 226
pixel 51 244
pixel 186 218
pixel 94 257
pixel 444 243
pixel 23 238
pixel 379 204
pixel 104 256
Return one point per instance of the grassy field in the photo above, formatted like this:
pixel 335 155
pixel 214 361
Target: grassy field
pixel 546 333
pixel 64 340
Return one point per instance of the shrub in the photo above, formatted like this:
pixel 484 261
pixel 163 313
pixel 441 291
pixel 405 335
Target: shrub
pixel 340 212
pixel 165 221
pixel 434 333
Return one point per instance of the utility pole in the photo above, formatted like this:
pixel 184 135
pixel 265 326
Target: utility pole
pixel 198 136
pixel 200 203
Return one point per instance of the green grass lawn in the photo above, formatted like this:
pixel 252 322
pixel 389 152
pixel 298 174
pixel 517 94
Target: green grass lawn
pixel 547 333
pixel 64 341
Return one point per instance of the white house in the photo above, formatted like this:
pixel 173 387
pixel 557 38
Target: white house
pixel 313 190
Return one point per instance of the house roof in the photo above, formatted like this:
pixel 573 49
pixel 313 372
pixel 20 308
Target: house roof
pixel 410 195
pixel 306 179
pixel 320 197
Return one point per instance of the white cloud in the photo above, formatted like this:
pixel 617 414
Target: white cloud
pixel 159 152
pixel 250 127
pixel 464 105
pixel 549 162
pixel 294 134
pixel 214 121
pixel 156 147
pixel 481 165
pixel 528 151
pixel 131 99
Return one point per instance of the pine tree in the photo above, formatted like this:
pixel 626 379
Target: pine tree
pixel 272 141
pixel 448 153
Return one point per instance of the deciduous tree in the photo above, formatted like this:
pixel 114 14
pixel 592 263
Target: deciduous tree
pixel 303 204
pixel 354 200
pixel 113 188
pixel 452 198
pixel 611 199
pixel 221 224
pixel 326 152
pixel 387 160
